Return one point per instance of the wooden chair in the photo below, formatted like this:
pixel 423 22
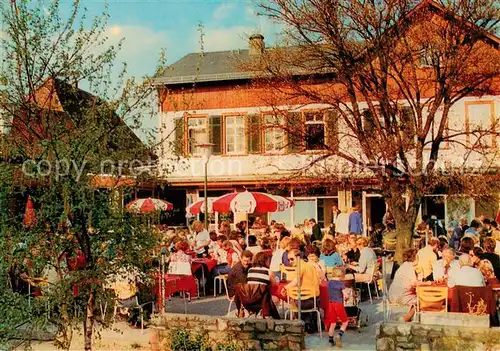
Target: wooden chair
pixel 289 272
pixel 305 294
pixel 431 298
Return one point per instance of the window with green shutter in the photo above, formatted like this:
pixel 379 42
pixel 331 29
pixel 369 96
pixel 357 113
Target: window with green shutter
pixel 254 134
pixel 215 134
pixel 179 142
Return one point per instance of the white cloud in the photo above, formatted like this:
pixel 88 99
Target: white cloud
pixel 223 11
pixel 217 39
pixel 140 49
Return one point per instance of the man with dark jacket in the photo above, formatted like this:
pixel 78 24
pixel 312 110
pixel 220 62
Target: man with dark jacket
pixel 238 273
pixel 458 233
pixel 317 235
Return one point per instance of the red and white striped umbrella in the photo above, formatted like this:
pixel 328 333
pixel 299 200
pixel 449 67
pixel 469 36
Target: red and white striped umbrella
pixel 249 202
pixel 199 207
pixel 149 205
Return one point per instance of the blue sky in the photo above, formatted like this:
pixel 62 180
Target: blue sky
pixel 149 25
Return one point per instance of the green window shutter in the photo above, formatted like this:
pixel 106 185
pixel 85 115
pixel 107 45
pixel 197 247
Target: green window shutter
pixel 295 129
pixel 179 143
pixel 215 134
pixel 254 134
pixel 332 130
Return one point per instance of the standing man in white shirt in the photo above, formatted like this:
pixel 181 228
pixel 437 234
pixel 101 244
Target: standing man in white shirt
pixel 201 239
pixel 465 274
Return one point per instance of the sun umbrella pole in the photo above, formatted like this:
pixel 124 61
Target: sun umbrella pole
pixel 299 304
pixel 246 228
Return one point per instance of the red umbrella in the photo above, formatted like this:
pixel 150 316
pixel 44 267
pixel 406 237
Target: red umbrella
pixel 199 207
pixel 149 205
pixel 29 214
pixel 249 202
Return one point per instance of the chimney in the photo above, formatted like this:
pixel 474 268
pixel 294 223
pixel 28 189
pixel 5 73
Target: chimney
pixel 256 45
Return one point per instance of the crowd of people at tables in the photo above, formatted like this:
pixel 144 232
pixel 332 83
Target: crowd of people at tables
pixel 253 266
pixel 469 259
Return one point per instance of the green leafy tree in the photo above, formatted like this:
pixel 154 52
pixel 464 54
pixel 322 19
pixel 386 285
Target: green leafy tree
pixel 58 140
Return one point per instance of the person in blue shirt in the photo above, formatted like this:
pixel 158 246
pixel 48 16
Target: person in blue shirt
pixel 355 222
pixel 336 309
pixel 474 228
pixel 329 254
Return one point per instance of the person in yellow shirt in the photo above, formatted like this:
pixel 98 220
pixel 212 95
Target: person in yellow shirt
pixel 427 256
pixel 309 281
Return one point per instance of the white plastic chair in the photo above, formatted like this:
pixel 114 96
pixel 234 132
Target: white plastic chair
pixel 374 281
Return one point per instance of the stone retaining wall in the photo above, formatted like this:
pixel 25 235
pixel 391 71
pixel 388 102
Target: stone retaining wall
pixel 251 333
pixel 413 336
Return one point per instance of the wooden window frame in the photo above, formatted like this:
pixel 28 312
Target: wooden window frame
pixel 492 121
pixel 263 136
pixel 304 130
pixel 187 116
pixel 245 150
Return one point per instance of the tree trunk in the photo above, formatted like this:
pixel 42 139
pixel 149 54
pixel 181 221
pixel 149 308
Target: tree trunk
pixel 404 203
pixel 88 324
pixel 404 233
pixel 65 329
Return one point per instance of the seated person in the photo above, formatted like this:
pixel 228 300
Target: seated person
pixel 313 256
pixel 442 267
pixel 308 281
pixel 475 255
pixel 466 245
pixel 294 244
pixel 353 253
pixel 465 274
pixel 256 295
pixel 238 273
pixel 329 255
pixel 427 256
pixel 252 245
pixel 277 257
pixel 125 285
pixel 265 245
pixel 402 290
pixel 180 261
pixel 367 262
pixel 234 238
pixel 212 246
pixel 488 272
pixel 489 254
pixel 226 258
pixel 336 309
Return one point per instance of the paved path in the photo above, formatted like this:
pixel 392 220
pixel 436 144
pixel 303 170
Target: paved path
pixel 126 338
